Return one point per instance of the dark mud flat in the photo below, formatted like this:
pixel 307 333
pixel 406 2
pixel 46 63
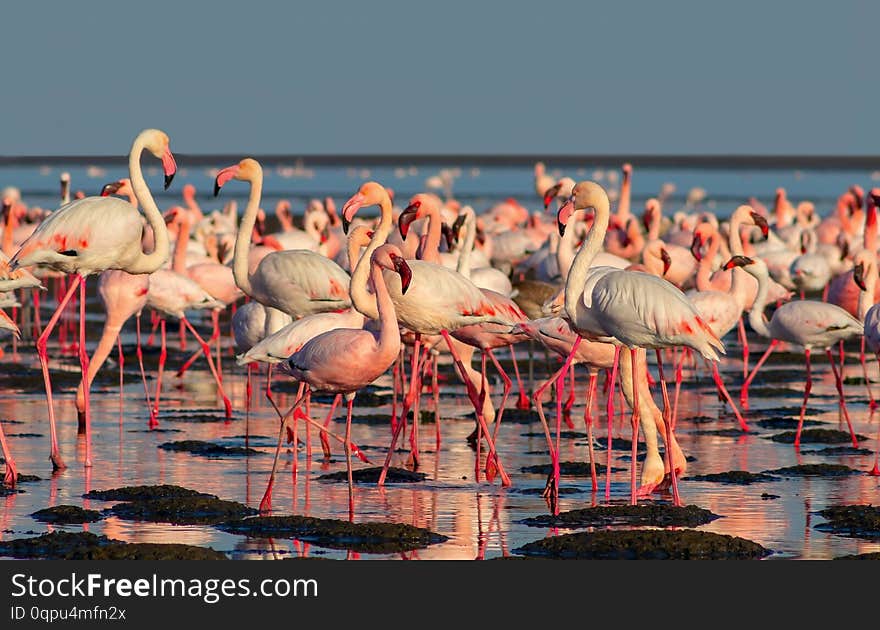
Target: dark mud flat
pixel 814 470
pixel 25 435
pixel 539 491
pixel 182 510
pixel 208 449
pixel 155 431
pixel 875 555
pixel 27 478
pixel 645 545
pixel 697 420
pixel 195 418
pixel 620 444
pixel 856 521
pixel 66 515
pixel 518 416
pixel 144 493
pixel 654 514
pixel 792 410
pixel 816 436
pixel 766 496
pixel 371 418
pixel 371 475
pixel 337 534
pixel 738 477
pixel 88 546
pixel 732 432
pixel 782 423
pixel 839 451
pixel 6 491
pixel 565 435
pixel 643 456
pixel 568 469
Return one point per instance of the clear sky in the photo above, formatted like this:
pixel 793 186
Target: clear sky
pixel 663 77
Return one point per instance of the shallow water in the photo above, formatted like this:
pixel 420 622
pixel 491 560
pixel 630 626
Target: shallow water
pixel 481 519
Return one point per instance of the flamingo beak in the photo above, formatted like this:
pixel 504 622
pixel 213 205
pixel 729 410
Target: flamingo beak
pixel 404 270
pixel 325 234
pixel 549 194
pixel 170 215
pixel 859 276
pixel 449 235
pixel 737 261
pixel 350 208
pixel 169 166
pixel 224 176
pixel 6 323
pixel 406 217
pixel 110 189
pixel 761 222
pixel 564 215
pixel 646 219
pixel 696 246
pixel 667 260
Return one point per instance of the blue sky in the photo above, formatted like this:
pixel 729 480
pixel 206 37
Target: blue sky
pixel 442 77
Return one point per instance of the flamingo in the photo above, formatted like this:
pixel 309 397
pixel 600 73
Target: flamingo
pixel 865 276
pixel 441 301
pixel 91 235
pixel 627 308
pixel 806 323
pixel 10 477
pixel 345 360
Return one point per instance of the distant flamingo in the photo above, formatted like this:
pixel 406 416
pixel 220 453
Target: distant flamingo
pixel 806 323
pixel 10 477
pixel 866 278
pixel 346 360
pixel 91 235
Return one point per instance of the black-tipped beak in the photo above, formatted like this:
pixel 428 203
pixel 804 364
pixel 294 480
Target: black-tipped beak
pixel 345 224
pixel 761 222
pixel 667 260
pixel 859 276
pixel 216 188
pixel 405 272
pixel 406 218
pixel 449 235
pixel 549 195
pixel 738 261
pixel 696 245
pixel 168 179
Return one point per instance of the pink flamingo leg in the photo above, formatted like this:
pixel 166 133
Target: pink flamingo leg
pixel 726 395
pixel 57 462
pixel 350 398
pixel 670 428
pixel 154 320
pixel 808 387
pixel 873 402
pixel 588 422
pixel 248 390
pixel 38 326
pixel 140 357
pixel 537 397
pixel 395 434
pixel 215 336
pixel 188 363
pixel 11 476
pixel 679 366
pixel 435 393
pixel 325 443
pixel 266 502
pixel 569 401
pixel 121 382
pixel 163 355
pixel 182 336
pixel 395 390
pixel 610 412
pixel 744 394
pixel 494 460
pixel 633 353
pixel 744 340
pixel 84 366
pixel 508 385
pixel 838 381
pixel 523 400
pixel 207 350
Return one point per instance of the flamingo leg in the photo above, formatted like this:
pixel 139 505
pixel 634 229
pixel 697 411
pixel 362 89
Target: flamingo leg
pixel 508 385
pixel 188 363
pixel 140 357
pixel 55 456
pixel 248 390
pixel 588 422
pixel 523 401
pixel 838 381
pixel 807 387
pixel 744 393
pixel 744 340
pixel 121 382
pixel 395 389
pixel 435 393
pixel 266 502
pixel 634 357
pixel 726 395
pixel 154 321
pixel 872 401
pixel 609 407
pixel 325 444
pixel 350 399
pixel 182 336
pixel 84 366
pixel 537 397
pixel 163 355
pixel 207 350
pixel 669 432
pixel 395 434
pixel 478 409
pixel 11 476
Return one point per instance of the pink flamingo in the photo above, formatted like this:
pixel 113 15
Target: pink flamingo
pixel 345 360
pixel 842 291
pixel 806 323
pixel 10 478
pixel 627 308
pixel 91 235
pixel 866 278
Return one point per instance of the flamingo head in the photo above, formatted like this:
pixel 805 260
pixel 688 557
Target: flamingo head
pixel 652 206
pixel 369 194
pixel 859 194
pixel 627 171
pixel 189 192
pixel 738 261
pixel 156 142
pixel 584 195
pixel 550 194
pixel 697 243
pixel 360 236
pixel 248 170
pixel 874 197
pixel 7 324
pixel 859 275
pixel 449 234
pixel 390 257
pixel 409 214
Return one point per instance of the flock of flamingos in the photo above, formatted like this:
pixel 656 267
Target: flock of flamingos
pixel 340 302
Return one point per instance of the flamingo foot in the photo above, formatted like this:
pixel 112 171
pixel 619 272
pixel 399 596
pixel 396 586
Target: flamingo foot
pixel 266 502
pixel 646 490
pixel 11 476
pixel 875 471
pixel 57 462
pixel 873 405
pixel 491 470
pixel 523 402
pixel 358 453
pixel 325 445
pixel 228 406
pixel 550 487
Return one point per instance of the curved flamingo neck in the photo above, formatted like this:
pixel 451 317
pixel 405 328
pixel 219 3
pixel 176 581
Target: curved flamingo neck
pixel 430 250
pixel 282 212
pixel 656 219
pixel 178 263
pixel 704 271
pixel 623 205
pixel 470 235
pixel 360 295
pixel 870 235
pixel 756 316
pixel 243 237
pixel 866 297
pixel 147 263
pixel 577 274
pixel 565 250
pixel 389 331
pixel 11 223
